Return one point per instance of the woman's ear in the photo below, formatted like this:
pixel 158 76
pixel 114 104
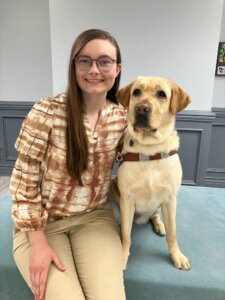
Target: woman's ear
pixel 118 70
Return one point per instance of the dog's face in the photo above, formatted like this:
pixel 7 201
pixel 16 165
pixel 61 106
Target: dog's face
pixel 152 102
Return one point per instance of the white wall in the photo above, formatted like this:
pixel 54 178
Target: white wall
pixel 219 84
pixel 176 39
pixel 25 50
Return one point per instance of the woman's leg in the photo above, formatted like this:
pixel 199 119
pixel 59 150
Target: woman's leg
pixel 97 252
pixel 60 285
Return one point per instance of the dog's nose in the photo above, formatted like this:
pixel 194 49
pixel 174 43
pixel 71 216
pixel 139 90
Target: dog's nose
pixel 142 108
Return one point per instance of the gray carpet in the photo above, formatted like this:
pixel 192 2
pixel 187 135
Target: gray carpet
pixel 201 236
pixel 150 274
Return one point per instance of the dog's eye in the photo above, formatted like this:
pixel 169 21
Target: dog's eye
pixel 161 94
pixel 137 92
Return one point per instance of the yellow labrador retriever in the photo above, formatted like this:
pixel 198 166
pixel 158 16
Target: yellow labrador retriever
pixel 150 172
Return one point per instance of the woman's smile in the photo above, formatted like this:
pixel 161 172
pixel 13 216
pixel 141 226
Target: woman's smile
pixel 94 81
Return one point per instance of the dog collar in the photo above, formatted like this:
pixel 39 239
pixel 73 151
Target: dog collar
pixel 142 157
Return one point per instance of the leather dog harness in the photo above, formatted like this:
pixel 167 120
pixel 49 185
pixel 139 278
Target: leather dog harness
pixel 141 157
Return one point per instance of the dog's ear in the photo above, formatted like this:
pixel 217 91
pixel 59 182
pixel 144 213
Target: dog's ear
pixel 123 95
pixel 179 99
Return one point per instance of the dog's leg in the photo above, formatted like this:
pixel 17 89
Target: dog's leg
pixel 169 217
pixel 158 224
pixel 127 216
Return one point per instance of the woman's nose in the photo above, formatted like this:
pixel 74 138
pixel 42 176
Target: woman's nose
pixel 94 67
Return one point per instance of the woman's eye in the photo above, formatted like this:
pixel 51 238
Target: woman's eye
pixel 161 94
pixel 136 92
pixel 84 61
pixel 104 62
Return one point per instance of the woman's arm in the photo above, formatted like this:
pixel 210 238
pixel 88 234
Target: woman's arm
pixel 28 211
pixel 32 144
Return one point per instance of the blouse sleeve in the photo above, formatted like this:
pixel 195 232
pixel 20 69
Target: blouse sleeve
pixel 28 212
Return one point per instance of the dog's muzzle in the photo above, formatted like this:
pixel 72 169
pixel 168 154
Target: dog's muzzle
pixel 142 112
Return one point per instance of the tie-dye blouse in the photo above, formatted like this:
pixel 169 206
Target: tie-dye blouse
pixel 42 190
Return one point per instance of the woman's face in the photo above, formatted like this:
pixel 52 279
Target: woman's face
pixel 92 79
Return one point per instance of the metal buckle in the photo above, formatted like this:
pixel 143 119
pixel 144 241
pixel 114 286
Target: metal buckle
pixel 164 155
pixel 143 157
pixel 118 157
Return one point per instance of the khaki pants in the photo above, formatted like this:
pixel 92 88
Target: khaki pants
pixel 89 246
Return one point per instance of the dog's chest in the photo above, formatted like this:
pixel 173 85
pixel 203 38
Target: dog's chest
pixel 149 200
pixel 149 207
pixel 155 182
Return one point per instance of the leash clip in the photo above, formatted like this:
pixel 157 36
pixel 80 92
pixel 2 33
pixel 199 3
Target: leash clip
pixel 118 157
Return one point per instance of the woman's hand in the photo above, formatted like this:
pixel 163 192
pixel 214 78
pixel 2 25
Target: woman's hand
pixel 41 256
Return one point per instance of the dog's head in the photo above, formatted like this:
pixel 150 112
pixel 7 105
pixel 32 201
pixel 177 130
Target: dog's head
pixel 152 102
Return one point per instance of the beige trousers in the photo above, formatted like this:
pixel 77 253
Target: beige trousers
pixel 90 248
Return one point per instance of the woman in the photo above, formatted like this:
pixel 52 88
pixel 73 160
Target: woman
pixel 66 242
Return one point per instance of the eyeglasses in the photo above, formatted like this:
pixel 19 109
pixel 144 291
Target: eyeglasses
pixel 104 63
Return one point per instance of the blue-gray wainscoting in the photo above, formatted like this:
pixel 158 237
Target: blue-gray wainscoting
pixel 202 146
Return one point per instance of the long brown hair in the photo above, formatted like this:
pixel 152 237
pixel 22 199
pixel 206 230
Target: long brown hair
pixel 76 138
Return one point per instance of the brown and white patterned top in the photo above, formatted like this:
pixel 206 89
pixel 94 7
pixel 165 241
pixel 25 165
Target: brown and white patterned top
pixel 42 190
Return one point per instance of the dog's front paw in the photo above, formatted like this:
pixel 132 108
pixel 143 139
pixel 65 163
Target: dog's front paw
pixel 180 261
